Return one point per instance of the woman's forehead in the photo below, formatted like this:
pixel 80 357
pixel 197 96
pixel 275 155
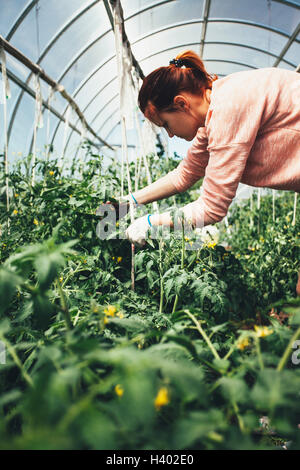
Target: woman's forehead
pixel 153 116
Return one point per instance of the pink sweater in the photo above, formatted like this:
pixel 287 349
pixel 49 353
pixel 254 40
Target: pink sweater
pixel 251 135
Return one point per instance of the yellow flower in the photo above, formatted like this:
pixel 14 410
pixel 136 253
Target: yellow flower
pixel 110 310
pixel 119 390
pixel 61 279
pixel 35 222
pixel 51 173
pixel 105 320
pixel 16 195
pixel 119 259
pixel 262 331
pixel 117 223
pixel 120 315
pixel 203 269
pixel 162 398
pixel 211 244
pixel 187 239
pixel 243 343
pixel 15 212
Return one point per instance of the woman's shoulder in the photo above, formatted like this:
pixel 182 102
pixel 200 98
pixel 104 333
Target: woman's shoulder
pixel 249 90
pixel 257 79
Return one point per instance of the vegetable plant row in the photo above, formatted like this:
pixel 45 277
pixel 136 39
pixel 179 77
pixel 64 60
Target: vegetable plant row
pixel 201 355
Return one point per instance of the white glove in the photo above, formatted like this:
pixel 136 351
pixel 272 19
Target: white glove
pixel 137 231
pixel 208 234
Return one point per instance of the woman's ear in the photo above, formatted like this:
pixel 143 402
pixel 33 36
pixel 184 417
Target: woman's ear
pixel 181 102
pixel 207 94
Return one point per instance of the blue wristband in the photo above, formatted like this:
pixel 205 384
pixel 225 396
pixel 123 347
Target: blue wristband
pixel 148 218
pixel 134 198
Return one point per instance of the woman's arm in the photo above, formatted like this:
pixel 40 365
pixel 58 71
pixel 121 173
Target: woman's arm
pixel 160 189
pixel 189 170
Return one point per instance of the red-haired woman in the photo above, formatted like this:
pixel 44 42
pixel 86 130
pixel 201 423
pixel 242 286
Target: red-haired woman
pixel 246 128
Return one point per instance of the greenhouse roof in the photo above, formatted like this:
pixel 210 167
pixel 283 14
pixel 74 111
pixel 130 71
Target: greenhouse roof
pixel 74 43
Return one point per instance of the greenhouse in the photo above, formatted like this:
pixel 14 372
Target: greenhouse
pixel 149 226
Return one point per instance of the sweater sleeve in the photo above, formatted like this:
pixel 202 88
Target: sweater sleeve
pixel 193 166
pixel 232 125
pixel 223 174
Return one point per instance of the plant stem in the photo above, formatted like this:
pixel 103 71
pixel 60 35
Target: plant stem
pixel 132 267
pixel 230 351
pixel 64 306
pixel 161 277
pixel 181 265
pixel 17 360
pixel 202 332
pixel 287 352
pixel 240 419
pixel 260 359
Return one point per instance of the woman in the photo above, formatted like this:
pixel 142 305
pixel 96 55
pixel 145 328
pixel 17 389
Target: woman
pixel 246 128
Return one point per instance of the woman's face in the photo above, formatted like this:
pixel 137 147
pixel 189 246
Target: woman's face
pixel 189 115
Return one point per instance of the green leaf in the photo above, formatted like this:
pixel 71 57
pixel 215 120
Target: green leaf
pixel 43 310
pixel 221 364
pixel 8 283
pixel 234 389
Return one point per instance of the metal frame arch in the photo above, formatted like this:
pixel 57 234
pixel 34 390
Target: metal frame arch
pixel 289 3
pixel 44 53
pixel 205 14
pixel 78 90
pixel 213 20
pixel 26 10
pixel 149 7
pixel 89 103
pixel 32 3
pixel 288 45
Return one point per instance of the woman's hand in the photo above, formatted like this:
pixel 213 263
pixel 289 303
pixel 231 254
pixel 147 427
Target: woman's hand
pixel 137 231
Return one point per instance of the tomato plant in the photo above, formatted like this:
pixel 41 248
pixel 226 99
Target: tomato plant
pixel 189 360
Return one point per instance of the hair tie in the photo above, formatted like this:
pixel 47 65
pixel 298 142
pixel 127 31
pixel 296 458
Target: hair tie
pixel 177 62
